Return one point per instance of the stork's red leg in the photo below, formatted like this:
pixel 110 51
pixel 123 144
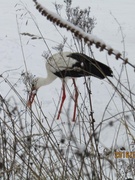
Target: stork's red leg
pixel 76 98
pixel 63 98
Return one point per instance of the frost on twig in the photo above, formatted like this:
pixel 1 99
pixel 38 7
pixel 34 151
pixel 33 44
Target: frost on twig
pixel 81 18
pixel 31 35
pixel 77 16
pixel 60 46
pixel 78 32
pixel 45 54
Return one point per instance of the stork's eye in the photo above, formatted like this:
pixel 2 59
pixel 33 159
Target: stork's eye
pixel 33 85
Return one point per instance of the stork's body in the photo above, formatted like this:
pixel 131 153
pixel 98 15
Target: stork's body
pixel 69 65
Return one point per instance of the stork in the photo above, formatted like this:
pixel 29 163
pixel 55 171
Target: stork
pixel 69 65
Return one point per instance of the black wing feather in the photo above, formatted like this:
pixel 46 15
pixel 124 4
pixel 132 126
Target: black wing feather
pixel 85 66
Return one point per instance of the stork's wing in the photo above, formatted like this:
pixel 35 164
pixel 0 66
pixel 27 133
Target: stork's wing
pixel 91 66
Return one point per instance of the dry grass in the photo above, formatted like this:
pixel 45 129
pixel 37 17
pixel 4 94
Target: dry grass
pixel 34 145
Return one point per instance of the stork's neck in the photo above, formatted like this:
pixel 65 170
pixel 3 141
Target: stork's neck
pixel 45 81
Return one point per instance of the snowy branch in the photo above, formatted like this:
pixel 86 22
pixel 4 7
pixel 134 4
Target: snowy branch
pixel 78 32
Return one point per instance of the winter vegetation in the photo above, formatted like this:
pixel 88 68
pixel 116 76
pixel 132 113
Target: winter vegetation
pixel 100 144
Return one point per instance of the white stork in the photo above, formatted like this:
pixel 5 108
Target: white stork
pixel 69 65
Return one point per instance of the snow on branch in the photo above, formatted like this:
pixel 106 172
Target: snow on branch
pixel 78 32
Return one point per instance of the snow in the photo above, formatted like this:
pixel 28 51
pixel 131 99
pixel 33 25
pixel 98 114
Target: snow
pixel 88 38
pixel 107 29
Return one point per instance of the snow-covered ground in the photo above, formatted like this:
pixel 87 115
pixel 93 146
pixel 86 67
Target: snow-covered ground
pixel 13 19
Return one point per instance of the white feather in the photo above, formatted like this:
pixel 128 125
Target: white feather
pixel 59 62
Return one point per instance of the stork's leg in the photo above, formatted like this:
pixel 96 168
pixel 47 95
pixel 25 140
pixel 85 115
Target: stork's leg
pixel 63 98
pixel 76 98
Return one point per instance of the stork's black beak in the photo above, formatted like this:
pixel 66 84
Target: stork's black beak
pixel 32 95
